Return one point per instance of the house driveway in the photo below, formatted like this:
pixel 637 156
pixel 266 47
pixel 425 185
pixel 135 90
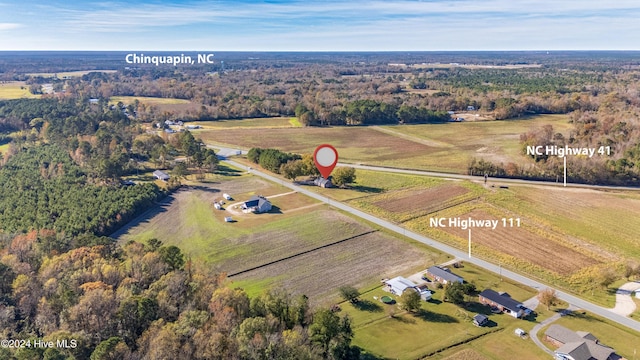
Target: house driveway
pixel 533 335
pixel 625 305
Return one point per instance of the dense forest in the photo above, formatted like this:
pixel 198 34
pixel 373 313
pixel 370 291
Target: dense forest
pixel 43 189
pixel 147 301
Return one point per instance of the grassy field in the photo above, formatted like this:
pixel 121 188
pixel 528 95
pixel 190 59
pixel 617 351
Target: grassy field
pixel 271 123
pixel 70 74
pixel 622 339
pixel 441 325
pixel 147 100
pixel 441 147
pixel 293 246
pixel 16 90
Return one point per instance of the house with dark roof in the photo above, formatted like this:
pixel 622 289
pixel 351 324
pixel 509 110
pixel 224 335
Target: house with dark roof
pixel 443 276
pixel 503 302
pixel 257 204
pixel 161 175
pixel 578 345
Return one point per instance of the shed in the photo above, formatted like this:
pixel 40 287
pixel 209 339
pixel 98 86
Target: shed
pixel 217 206
pixel 227 196
pixel 228 219
pixel 520 332
pixel 425 295
pixel 480 320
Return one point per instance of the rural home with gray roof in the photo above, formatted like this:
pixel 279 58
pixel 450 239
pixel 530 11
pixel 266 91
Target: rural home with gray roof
pixel 503 302
pixel 257 204
pixel 322 182
pixel 578 345
pixel 443 276
pixel 161 175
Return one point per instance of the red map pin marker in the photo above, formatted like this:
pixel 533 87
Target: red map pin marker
pixel 326 158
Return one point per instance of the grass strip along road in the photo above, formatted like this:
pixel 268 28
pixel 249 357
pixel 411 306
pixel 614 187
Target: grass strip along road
pixel 571 299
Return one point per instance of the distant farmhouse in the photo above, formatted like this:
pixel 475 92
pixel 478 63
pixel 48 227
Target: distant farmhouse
pixel 503 302
pixel 161 175
pixel 257 204
pixel 443 276
pixel 322 182
pixel 578 345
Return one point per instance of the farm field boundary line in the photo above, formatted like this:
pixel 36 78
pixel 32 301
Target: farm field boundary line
pixel 481 178
pixel 525 280
pixel 300 253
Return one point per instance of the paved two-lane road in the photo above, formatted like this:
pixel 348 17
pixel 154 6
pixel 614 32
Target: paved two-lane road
pixel 573 300
pixel 481 178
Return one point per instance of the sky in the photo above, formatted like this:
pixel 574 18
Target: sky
pixel 325 25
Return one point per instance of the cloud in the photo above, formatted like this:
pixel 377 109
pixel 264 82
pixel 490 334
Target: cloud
pixel 9 26
pixel 342 25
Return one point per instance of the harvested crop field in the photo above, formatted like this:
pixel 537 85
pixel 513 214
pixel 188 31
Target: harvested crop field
pixel 354 143
pixel 425 199
pixel 525 244
pixel 356 262
pixel 606 219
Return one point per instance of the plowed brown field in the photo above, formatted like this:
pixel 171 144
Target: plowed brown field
pixel 524 244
